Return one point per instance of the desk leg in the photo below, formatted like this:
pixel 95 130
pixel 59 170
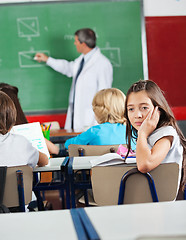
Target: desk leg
pixel 67 188
pixel 37 193
pixel 67 196
pixel 72 188
pixel 85 190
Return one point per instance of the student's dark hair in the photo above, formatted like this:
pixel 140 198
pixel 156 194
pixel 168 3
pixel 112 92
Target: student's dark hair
pixel 7 113
pixel 157 97
pixel 87 36
pixel 12 92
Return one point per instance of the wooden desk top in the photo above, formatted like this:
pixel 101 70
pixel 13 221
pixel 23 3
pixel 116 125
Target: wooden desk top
pixel 62 132
pixel 61 135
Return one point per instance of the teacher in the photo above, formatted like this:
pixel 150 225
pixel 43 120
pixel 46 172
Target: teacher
pixel 90 72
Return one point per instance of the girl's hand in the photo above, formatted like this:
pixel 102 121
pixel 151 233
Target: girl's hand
pixel 150 122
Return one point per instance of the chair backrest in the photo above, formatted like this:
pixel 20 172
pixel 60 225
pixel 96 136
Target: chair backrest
pixel 11 198
pixel 106 183
pixel 76 150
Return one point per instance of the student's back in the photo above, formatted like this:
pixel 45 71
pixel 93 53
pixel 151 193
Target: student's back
pixel 102 134
pixel 15 150
pixel 108 106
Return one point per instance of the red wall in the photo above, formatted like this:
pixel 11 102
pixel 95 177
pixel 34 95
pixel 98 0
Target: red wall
pixel 48 118
pixel 166 47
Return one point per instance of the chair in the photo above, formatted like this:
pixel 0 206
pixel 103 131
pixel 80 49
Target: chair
pixel 76 150
pixel 106 184
pixel 87 150
pixel 18 187
pixel 128 174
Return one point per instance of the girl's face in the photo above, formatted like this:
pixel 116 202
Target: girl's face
pixel 138 106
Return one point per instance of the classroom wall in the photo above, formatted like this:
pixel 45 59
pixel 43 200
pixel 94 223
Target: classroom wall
pixel 165 22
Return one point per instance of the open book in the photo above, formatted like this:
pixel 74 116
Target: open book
pixel 109 159
pixel 33 132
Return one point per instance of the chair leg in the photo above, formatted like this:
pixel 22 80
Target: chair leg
pixel 39 201
pixel 20 186
pixel 73 201
pixel 62 196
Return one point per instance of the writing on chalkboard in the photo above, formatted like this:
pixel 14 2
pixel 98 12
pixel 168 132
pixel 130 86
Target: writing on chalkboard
pixel 28 27
pixel 26 58
pixel 69 37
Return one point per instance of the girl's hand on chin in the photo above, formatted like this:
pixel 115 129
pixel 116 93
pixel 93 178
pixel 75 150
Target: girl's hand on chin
pixel 151 121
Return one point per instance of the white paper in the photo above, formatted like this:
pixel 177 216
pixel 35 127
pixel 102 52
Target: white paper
pixel 33 132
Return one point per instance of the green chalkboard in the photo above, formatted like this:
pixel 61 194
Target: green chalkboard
pixel 49 27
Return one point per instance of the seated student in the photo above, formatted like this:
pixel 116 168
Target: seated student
pixel 12 92
pixel 159 139
pixel 108 106
pixel 15 149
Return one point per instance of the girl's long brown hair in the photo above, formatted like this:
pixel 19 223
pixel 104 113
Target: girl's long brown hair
pixel 12 92
pixel 166 117
pixel 7 113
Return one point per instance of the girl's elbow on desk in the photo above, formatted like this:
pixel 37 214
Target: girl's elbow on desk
pixel 43 160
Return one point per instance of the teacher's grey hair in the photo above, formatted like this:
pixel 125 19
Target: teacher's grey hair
pixel 87 36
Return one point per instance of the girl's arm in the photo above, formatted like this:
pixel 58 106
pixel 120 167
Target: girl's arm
pixel 43 159
pixel 149 159
pixel 52 148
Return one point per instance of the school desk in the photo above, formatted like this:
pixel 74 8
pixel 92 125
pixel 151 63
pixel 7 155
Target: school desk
pixel 58 165
pixel 55 164
pixel 61 135
pixel 147 221
pixel 41 225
